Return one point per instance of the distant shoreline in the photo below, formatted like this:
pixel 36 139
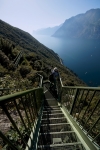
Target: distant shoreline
pixel 61 61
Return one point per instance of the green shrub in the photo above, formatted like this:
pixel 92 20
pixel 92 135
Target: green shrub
pixel 24 70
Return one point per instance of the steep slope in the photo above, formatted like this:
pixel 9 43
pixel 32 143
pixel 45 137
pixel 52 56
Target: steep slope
pixel 81 26
pixel 25 40
pixel 36 58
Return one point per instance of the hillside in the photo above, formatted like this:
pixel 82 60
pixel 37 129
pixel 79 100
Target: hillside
pixel 36 58
pixel 84 26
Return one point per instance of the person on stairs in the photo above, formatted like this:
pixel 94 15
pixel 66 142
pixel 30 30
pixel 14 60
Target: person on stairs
pixel 52 78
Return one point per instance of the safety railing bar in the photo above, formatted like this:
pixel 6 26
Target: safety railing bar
pixel 35 108
pixel 29 101
pixel 85 88
pixel 36 135
pixel 8 141
pixel 70 92
pixel 29 124
pixel 32 112
pixel 79 103
pixel 81 97
pixel 28 107
pixel 35 103
pixel 73 92
pixel 20 114
pixel 61 82
pixel 13 123
pixel 88 91
pixel 9 97
pixel 74 101
pixel 92 112
pixel 96 137
pixel 83 104
pixel 81 135
pixel 77 99
pixel 16 60
pixel 17 56
pixel 40 80
pixel 80 87
pixel 88 105
pixel 93 125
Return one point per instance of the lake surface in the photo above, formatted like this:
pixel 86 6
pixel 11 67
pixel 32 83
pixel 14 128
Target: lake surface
pixel 81 56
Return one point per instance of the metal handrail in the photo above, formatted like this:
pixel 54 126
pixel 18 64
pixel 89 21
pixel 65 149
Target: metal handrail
pixel 83 104
pixel 25 105
pixel 17 59
pixel 20 111
pixel 40 80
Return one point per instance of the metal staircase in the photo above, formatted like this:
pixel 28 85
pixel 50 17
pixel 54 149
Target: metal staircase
pixel 44 119
pixel 56 132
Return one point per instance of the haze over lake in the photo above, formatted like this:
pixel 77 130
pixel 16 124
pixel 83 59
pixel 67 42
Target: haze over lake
pixel 81 56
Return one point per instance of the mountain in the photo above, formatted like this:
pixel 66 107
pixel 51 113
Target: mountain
pixel 36 58
pixel 46 31
pixel 85 26
pixel 25 40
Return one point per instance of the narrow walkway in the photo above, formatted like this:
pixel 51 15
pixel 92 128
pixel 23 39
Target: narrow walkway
pixel 55 131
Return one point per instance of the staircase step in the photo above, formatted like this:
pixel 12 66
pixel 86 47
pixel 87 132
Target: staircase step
pixel 51 108
pixel 54 120
pixel 57 138
pixel 56 115
pixel 63 146
pixel 51 111
pixel 55 127
pixel 46 106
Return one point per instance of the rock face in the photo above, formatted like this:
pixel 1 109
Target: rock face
pixel 84 26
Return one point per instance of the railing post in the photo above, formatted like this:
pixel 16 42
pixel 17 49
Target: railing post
pixel 14 124
pixel 74 101
pixel 8 141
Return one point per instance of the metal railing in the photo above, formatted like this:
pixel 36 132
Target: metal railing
pixel 17 59
pixel 40 81
pixel 83 104
pixel 19 116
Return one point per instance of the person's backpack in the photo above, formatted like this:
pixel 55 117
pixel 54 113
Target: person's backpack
pixel 51 78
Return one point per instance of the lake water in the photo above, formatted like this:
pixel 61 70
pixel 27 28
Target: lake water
pixel 81 56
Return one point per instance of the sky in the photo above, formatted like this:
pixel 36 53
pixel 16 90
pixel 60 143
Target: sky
pixel 30 15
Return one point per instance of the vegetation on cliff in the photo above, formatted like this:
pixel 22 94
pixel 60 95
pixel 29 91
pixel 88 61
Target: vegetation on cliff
pixel 36 58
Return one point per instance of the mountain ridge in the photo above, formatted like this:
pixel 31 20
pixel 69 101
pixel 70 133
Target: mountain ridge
pixel 85 26
pixel 46 31
pixel 37 58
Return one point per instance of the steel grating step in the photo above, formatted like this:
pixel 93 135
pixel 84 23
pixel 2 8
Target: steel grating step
pixel 57 138
pixel 55 127
pixel 51 108
pixel 54 120
pixel 45 106
pixel 64 146
pixel 50 105
pixel 52 111
pixel 56 115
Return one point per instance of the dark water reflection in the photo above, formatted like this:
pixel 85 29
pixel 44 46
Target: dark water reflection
pixel 81 56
